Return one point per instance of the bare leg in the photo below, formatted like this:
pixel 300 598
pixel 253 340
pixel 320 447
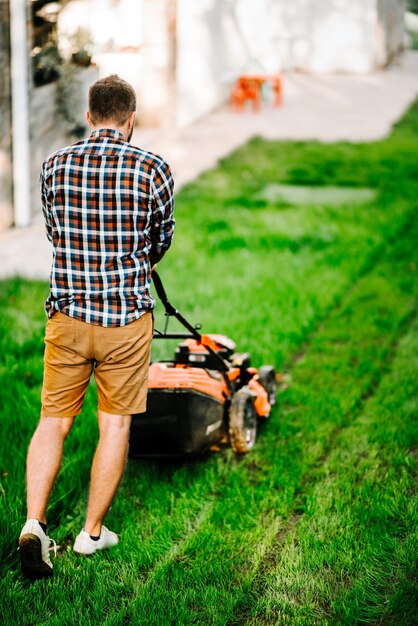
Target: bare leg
pixel 108 467
pixel 44 461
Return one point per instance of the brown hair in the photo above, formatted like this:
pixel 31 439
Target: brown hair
pixel 111 98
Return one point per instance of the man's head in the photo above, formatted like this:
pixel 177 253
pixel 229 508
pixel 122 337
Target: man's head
pixel 112 103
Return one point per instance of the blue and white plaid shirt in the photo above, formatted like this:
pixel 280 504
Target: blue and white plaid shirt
pixel 107 206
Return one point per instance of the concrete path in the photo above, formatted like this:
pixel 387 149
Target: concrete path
pixel 326 108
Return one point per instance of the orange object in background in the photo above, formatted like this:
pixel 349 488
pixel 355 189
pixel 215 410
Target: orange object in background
pixel 248 87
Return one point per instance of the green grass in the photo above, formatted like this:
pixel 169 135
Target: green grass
pixel 317 525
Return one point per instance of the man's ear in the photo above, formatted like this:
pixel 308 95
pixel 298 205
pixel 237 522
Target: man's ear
pixel 131 119
pixel 88 118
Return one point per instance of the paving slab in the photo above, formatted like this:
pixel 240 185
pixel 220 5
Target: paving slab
pixel 326 108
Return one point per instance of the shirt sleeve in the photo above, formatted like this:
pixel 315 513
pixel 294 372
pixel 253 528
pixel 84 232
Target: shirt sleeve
pixel 162 225
pixel 46 205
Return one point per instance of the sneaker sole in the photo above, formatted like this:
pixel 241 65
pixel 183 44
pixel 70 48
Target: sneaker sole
pixel 81 553
pixel 31 557
pixel 78 553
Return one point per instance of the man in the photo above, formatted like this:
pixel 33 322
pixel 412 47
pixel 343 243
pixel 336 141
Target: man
pixel 108 208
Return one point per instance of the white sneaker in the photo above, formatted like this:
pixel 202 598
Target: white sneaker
pixel 34 547
pixel 84 544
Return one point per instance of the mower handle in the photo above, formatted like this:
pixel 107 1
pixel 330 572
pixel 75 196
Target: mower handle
pixel 172 311
pixel 159 288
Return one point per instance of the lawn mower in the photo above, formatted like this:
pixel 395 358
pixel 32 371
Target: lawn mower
pixel 206 397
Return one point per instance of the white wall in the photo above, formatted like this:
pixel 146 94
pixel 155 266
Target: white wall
pixel 356 36
pixel 157 69
pixel 216 41
pixel 219 39
pixel 390 30
pixel 339 36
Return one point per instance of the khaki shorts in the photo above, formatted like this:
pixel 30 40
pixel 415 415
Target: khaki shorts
pixel 118 356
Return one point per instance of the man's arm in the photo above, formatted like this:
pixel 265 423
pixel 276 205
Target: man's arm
pixel 162 221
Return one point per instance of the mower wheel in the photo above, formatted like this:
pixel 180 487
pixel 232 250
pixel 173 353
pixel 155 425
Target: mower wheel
pixel 267 379
pixel 242 421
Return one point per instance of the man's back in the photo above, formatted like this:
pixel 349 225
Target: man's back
pixel 106 204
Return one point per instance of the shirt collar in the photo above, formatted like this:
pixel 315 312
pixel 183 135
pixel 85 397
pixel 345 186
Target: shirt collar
pixel 107 132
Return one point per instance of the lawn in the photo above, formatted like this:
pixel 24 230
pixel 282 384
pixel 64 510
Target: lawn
pixel 306 255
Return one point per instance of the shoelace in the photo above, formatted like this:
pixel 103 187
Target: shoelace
pixel 54 547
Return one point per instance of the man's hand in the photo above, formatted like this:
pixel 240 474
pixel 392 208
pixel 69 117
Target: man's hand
pixel 155 258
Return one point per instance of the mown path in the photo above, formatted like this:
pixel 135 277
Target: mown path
pixel 234 541
pixel 317 524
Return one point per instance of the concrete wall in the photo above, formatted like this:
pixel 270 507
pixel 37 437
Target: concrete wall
pixel 6 187
pixel 51 126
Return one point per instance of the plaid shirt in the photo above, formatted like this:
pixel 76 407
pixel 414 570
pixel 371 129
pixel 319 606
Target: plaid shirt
pixel 107 205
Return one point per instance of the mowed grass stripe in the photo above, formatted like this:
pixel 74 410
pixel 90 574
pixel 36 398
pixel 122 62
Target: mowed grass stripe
pixel 314 374
pixel 329 386
pixel 351 557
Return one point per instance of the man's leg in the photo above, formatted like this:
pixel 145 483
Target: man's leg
pixel 43 462
pixel 108 467
pixel 121 372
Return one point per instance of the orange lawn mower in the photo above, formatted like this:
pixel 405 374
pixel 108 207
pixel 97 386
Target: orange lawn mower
pixel 207 397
